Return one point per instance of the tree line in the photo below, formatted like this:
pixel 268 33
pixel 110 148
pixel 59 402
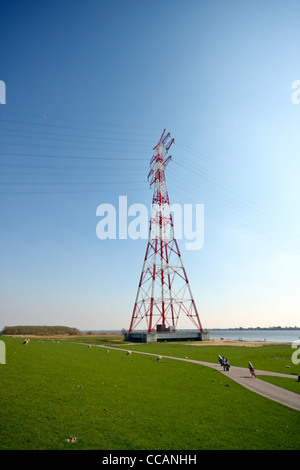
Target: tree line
pixel 39 330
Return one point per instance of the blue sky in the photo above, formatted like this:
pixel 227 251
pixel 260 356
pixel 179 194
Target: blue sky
pixel 90 85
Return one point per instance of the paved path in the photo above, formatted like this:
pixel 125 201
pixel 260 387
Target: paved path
pixel 242 376
pixel 273 392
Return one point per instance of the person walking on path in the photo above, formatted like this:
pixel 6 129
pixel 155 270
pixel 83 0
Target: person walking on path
pixel 251 368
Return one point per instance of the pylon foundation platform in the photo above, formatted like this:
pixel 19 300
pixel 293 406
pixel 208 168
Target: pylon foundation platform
pixel 156 337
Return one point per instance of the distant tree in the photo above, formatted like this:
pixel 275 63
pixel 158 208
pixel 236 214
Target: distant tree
pixel 40 330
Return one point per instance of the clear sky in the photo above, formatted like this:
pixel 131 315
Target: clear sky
pixel 90 85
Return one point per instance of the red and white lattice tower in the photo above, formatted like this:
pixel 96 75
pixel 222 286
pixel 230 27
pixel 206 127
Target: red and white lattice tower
pixel 164 292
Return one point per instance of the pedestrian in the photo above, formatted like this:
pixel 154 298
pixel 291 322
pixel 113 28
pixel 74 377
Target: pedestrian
pixel 220 359
pixel 226 364
pixel 251 368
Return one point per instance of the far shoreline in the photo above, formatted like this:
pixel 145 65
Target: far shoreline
pixel 238 342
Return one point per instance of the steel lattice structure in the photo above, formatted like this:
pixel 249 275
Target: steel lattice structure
pixel 164 292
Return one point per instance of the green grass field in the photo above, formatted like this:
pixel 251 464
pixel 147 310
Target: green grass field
pixel 51 391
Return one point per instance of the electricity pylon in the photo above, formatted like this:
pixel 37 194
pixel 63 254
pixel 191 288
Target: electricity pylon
pixel 164 292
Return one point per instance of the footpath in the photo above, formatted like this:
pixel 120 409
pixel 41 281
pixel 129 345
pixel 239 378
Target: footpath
pixel 273 392
pixel 242 376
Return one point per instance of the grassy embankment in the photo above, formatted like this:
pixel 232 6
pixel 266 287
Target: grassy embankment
pixel 51 391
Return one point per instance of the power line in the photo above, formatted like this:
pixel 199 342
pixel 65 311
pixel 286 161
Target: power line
pixel 35 155
pixel 69 192
pixel 75 128
pixel 110 140
pixel 33 183
pixel 86 149
pixel 47 117
pixel 239 177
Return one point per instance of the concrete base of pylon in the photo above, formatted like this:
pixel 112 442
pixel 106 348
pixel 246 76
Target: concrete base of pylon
pixel 156 337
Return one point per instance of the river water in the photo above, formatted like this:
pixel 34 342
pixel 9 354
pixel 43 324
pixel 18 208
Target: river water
pixel 281 335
